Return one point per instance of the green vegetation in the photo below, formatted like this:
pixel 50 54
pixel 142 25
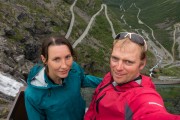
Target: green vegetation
pixel 114 19
pixel 18 35
pixel 150 63
pixel 47 1
pixel 86 54
pixel 170 92
pixel 78 28
pixel 102 31
pixel 90 7
pixel 171 97
pixel 164 38
pixel 174 71
pixel 177 51
pixel 2 101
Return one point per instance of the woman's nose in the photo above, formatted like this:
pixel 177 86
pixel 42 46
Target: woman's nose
pixel 63 64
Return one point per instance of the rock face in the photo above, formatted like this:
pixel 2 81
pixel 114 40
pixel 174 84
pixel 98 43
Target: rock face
pixel 22 24
pixel 13 61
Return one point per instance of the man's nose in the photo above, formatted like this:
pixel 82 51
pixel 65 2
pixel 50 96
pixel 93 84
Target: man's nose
pixel 119 65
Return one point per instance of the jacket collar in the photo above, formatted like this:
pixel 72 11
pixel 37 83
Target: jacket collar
pixel 140 81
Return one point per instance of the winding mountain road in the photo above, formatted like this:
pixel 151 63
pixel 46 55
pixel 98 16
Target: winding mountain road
pixel 89 24
pixel 176 31
pixel 72 20
pixel 165 56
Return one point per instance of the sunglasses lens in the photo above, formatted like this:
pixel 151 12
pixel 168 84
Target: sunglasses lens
pixel 137 39
pixel 121 35
pixel 133 36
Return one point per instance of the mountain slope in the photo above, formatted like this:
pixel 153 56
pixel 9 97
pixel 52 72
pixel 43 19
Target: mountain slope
pixel 24 23
pixel 158 21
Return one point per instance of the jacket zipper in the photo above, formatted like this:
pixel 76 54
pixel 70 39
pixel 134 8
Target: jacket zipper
pixel 100 89
pixel 49 92
pixel 97 102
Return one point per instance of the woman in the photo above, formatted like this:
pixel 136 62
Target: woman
pixel 53 91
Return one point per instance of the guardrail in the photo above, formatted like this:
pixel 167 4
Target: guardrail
pixel 166 82
pixel 18 111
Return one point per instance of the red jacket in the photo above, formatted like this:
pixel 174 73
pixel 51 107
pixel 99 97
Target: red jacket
pixel 130 101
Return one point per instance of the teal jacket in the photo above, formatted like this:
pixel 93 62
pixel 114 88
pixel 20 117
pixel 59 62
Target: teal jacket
pixel 47 101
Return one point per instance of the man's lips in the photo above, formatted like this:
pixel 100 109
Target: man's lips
pixel 119 74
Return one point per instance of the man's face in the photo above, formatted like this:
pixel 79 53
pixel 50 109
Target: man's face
pixel 125 63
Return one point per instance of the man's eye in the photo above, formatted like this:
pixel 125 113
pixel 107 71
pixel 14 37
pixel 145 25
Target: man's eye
pixel 128 62
pixel 114 59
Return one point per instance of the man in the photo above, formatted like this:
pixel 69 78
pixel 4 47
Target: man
pixel 124 93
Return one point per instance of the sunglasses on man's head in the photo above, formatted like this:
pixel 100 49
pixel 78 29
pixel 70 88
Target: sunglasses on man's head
pixel 133 37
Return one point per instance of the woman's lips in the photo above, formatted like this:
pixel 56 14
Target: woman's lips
pixel 64 72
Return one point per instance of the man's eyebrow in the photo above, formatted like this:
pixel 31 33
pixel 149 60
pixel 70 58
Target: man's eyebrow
pixel 112 56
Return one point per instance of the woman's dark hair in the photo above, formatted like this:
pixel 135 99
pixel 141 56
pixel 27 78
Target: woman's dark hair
pixel 55 40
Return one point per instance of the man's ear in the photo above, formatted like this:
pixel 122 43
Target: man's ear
pixel 43 59
pixel 142 64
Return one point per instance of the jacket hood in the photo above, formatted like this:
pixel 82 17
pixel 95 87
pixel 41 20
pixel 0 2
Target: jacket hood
pixel 38 78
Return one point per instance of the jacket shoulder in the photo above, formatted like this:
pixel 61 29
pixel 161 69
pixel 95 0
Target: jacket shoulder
pixel 76 67
pixel 34 70
pixel 147 82
pixel 107 78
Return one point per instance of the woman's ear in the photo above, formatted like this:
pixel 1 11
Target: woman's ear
pixel 43 59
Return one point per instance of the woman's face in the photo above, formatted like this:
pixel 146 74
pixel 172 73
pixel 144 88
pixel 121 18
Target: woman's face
pixel 59 61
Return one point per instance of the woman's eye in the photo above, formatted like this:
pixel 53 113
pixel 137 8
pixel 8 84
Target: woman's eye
pixel 57 59
pixel 68 57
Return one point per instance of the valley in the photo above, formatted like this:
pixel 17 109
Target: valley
pixel 91 33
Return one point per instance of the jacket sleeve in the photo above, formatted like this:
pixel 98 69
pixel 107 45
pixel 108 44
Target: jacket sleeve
pixel 90 81
pixel 149 105
pixel 87 80
pixel 33 112
pixel 161 116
